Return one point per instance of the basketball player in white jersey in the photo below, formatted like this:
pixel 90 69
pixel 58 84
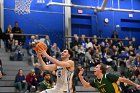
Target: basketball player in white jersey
pixel 65 70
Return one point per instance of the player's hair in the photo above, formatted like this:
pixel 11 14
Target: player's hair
pixel 45 73
pixel 19 70
pixel 103 68
pixel 71 53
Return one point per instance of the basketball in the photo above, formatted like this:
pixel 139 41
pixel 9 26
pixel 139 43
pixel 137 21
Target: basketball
pixel 40 46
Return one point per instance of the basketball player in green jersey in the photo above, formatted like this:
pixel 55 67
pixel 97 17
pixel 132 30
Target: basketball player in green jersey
pixel 105 83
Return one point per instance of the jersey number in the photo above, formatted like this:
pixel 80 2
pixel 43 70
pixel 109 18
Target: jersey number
pixel 59 73
pixel 103 90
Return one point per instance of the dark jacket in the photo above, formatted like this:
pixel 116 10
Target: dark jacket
pixel 1 34
pixel 19 78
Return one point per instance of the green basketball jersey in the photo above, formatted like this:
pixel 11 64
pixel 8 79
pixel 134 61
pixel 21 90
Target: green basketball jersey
pixel 107 84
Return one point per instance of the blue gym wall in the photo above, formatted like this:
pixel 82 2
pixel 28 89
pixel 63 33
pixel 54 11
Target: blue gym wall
pixel 96 21
pixel 51 20
pixel 41 20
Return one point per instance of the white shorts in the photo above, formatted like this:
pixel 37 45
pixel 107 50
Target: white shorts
pixel 52 91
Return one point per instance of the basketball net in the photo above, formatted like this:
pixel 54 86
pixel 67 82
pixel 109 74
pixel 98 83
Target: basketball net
pixel 23 6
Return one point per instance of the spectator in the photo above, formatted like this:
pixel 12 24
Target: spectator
pixel 9 29
pixel 20 82
pixel 106 57
pixel 0 35
pixel 55 51
pixel 47 41
pixel 38 73
pixel 10 42
pixel 46 83
pixel 130 62
pixel 17 30
pixel 131 51
pixel 97 56
pixel 83 42
pixel 126 52
pixel 89 44
pixel 122 61
pixel 29 44
pixel 115 53
pixel 7 37
pixel 37 38
pixel 74 46
pixel 75 43
pixel 102 46
pixel 18 54
pixel 0 69
pixel 81 55
pixel 137 61
pixel 32 53
pixel 106 42
pixel 36 68
pixel 120 46
pixel 0 73
pixel 39 76
pixel 31 79
pixel 88 57
pixel 75 78
pixel 130 43
pixel 114 35
pixel 137 71
pixel 111 43
pixel 95 43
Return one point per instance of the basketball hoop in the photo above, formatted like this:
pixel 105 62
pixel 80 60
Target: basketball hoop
pixel 22 6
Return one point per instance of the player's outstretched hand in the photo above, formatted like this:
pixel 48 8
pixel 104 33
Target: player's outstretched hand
pixel 81 72
pixel 43 52
pixel 39 54
pixel 138 87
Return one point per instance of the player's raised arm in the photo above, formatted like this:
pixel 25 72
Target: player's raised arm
pixel 125 80
pixel 84 82
pixel 64 56
pixel 41 49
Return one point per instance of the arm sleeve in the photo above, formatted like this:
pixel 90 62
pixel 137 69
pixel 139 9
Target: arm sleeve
pixel 24 77
pixel 16 79
pixel 112 78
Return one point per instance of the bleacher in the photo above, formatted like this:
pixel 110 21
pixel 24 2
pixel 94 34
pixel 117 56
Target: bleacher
pixel 11 68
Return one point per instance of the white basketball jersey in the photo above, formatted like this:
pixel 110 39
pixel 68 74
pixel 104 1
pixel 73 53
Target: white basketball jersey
pixel 63 79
